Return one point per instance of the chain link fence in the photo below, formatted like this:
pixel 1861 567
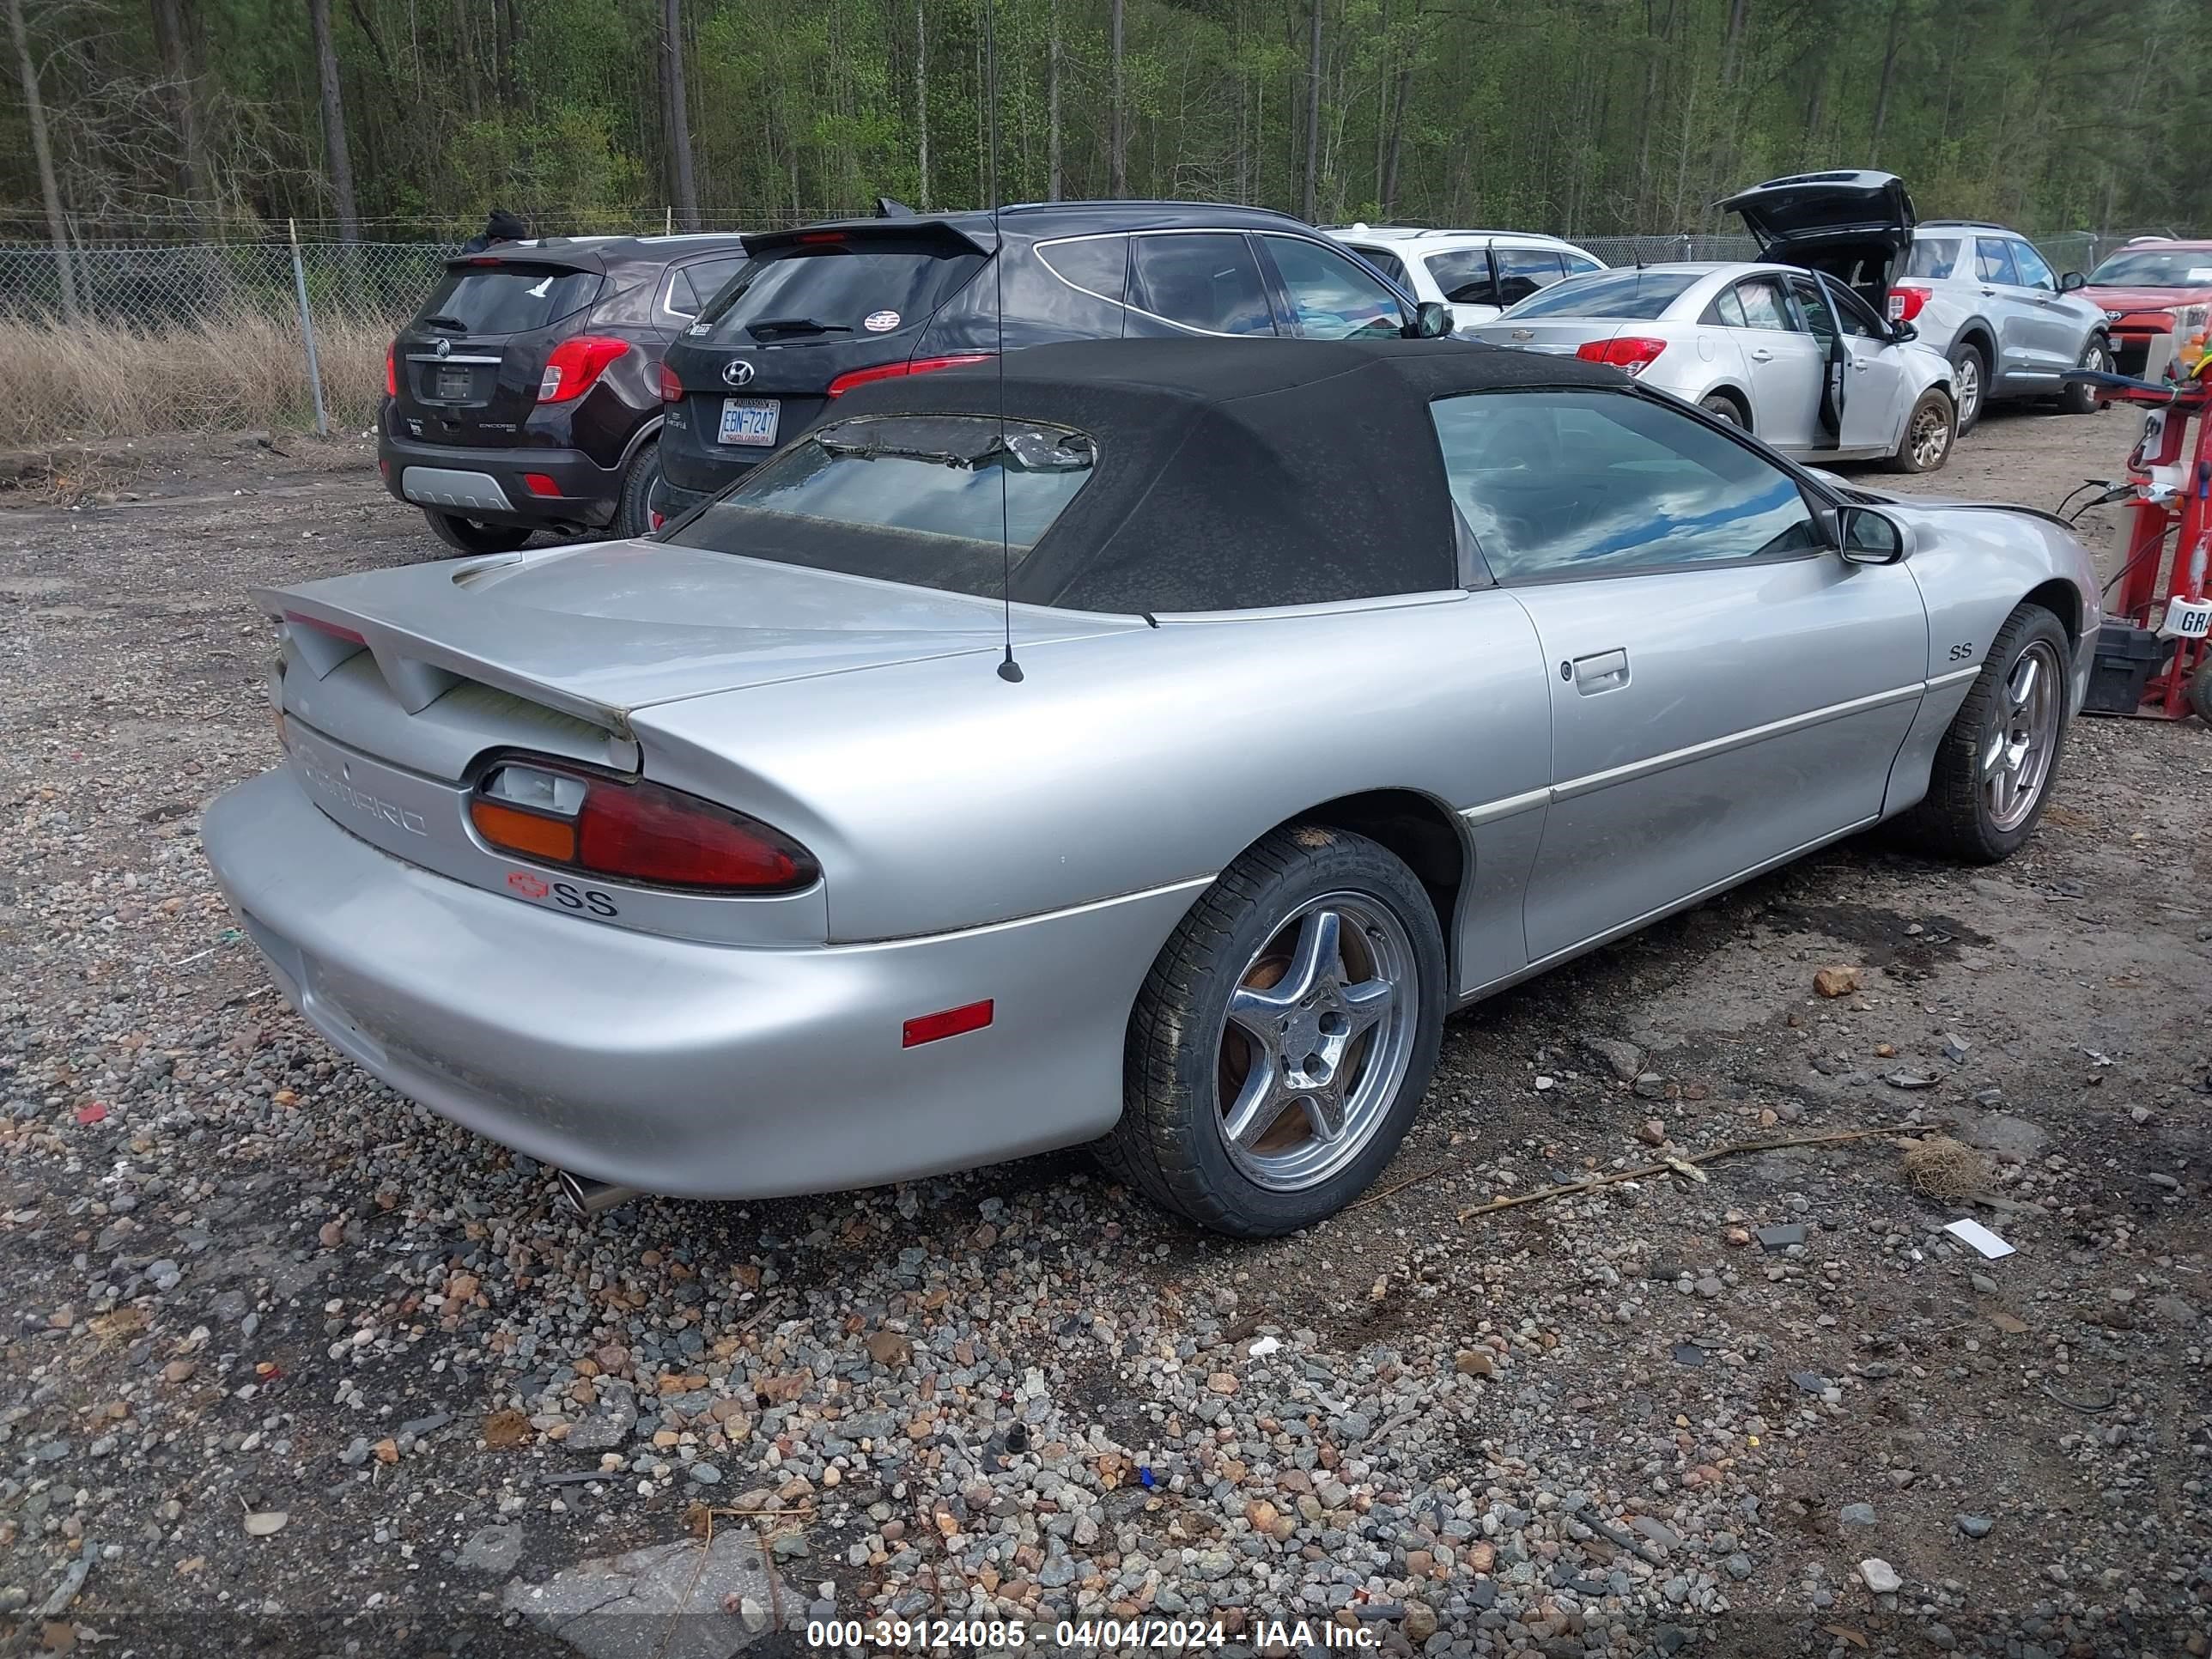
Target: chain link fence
pixel 129 338
pixel 151 286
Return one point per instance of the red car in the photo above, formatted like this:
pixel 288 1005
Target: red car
pixel 2153 287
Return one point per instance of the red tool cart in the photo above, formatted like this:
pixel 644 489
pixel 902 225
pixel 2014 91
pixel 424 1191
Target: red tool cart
pixel 2151 653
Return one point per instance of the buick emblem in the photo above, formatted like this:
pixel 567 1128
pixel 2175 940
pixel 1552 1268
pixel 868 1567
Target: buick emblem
pixel 736 372
pixel 444 348
pixel 1524 334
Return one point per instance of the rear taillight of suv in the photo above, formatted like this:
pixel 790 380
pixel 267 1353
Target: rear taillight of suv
pixel 392 370
pixel 845 382
pixel 671 386
pixel 574 364
pixel 1905 300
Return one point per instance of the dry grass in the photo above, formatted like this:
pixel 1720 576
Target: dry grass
pixel 1943 1168
pixel 58 381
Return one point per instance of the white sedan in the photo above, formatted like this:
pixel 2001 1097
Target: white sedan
pixel 1759 345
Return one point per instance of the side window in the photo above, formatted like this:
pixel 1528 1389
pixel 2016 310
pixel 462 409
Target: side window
pixel 1818 316
pixel 1208 281
pixel 1462 275
pixel 1331 297
pixel 1934 256
pixel 1387 264
pixel 1763 306
pixel 2034 273
pixel 1522 270
pixel 694 284
pixel 1098 264
pixel 1576 266
pixel 1586 482
pixel 1858 316
pixel 1727 310
pixel 1993 260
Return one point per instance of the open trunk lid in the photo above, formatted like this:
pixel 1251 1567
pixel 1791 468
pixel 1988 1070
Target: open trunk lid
pixel 1814 214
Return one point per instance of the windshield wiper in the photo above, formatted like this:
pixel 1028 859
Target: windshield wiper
pixel 441 320
pixel 761 327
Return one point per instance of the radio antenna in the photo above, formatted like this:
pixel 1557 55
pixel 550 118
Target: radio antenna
pixel 1009 670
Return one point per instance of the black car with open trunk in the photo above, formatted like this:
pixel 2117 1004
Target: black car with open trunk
pixel 525 394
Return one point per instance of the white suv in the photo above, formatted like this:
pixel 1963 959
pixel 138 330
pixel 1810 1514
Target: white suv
pixel 1478 273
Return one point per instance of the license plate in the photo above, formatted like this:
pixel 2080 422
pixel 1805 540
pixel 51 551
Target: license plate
pixel 750 420
pixel 454 384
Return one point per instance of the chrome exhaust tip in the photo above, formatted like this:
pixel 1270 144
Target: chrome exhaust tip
pixel 582 1195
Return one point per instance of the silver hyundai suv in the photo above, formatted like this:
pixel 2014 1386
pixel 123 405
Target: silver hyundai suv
pixel 1977 292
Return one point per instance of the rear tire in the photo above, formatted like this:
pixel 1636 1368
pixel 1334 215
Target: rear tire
pixel 632 514
pixel 1726 408
pixel 1970 384
pixel 2001 734
pixel 2082 399
pixel 473 535
pixel 1330 948
pixel 1929 431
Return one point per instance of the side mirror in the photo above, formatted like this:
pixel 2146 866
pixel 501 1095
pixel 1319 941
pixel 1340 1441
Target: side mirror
pixel 1432 320
pixel 1901 332
pixel 1869 536
pixel 2072 280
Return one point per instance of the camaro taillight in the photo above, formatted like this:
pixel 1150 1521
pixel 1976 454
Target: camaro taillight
pixel 1905 300
pixel 845 382
pixel 391 371
pixel 672 387
pixel 633 830
pixel 1633 352
pixel 574 364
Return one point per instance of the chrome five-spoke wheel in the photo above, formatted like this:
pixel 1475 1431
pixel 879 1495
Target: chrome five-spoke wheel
pixel 2022 735
pixel 1316 1042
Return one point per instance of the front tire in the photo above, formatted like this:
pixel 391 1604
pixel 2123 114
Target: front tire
pixel 2079 399
pixel 1970 384
pixel 473 535
pixel 1996 766
pixel 1929 430
pixel 1279 1047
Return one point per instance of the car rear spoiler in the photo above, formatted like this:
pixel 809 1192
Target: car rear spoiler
pixel 949 237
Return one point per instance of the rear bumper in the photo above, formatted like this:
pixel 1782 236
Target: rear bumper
pixel 666 503
pixel 489 484
pixel 695 1070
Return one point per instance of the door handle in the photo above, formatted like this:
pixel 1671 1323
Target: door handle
pixel 1989 294
pixel 1604 671
pixel 1859 364
pixel 1762 355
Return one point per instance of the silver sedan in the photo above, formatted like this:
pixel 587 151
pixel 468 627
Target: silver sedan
pixel 1148 748
pixel 1795 357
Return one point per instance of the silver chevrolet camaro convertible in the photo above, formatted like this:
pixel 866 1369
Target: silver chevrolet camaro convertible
pixel 1151 748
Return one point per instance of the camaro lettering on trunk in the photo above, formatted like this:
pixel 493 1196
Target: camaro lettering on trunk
pixel 336 788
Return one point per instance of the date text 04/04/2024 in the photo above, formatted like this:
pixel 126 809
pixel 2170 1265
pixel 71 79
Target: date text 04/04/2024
pixel 1169 1635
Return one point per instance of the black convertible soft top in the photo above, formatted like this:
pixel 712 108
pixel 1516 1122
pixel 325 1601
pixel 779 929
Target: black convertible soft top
pixel 1239 474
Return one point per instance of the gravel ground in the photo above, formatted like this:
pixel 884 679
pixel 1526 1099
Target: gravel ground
pixel 297 1367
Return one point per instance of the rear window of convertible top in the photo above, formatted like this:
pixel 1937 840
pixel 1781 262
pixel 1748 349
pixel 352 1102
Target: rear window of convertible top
pixel 903 498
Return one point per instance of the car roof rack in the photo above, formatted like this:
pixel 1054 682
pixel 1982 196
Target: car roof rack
pixel 1967 224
